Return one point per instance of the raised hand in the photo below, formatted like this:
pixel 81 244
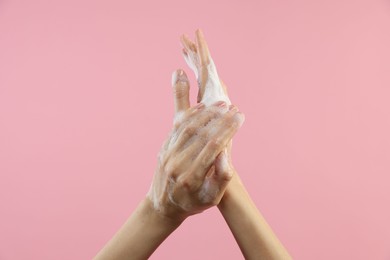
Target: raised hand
pixel 191 175
pixel 211 87
pixel 194 170
pixel 198 58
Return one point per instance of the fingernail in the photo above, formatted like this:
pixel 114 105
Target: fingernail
pixel 182 76
pixel 219 103
pixel 233 108
pixel 223 104
pixel 179 76
pixel 199 106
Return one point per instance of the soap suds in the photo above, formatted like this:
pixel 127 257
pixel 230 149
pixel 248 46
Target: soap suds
pixel 213 88
pixel 208 191
pixel 213 92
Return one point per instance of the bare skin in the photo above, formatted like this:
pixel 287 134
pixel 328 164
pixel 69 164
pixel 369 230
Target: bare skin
pixel 252 233
pixel 189 177
pixel 194 173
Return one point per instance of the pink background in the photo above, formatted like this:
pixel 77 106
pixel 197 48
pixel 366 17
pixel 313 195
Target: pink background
pixel 86 102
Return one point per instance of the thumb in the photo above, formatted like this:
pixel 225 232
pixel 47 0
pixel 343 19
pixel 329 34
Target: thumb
pixel 181 90
pixel 217 179
pixel 222 173
pixel 223 169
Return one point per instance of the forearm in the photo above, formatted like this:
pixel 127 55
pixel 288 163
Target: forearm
pixel 252 233
pixel 139 237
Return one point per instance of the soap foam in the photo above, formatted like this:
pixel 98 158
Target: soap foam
pixel 202 133
pixel 213 92
pixel 208 191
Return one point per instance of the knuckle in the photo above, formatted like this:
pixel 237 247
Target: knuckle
pixel 178 120
pixel 172 170
pixel 176 125
pixel 214 113
pixel 188 184
pixel 185 184
pixel 226 175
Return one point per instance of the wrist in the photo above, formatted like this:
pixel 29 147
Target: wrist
pixel 234 188
pixel 159 217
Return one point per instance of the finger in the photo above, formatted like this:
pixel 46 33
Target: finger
pixel 190 55
pixel 216 181
pixel 181 91
pixel 204 60
pixel 186 117
pixel 203 49
pixel 211 113
pixel 188 133
pixel 211 171
pixel 189 115
pixel 223 169
pixel 188 43
pixel 223 131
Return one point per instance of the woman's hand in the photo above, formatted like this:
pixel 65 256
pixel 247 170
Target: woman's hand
pixel 254 236
pixel 211 87
pixel 193 172
pixel 191 175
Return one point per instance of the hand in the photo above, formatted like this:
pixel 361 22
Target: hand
pixel 193 172
pixel 211 87
pixel 254 236
pixel 191 175
pixel 198 58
